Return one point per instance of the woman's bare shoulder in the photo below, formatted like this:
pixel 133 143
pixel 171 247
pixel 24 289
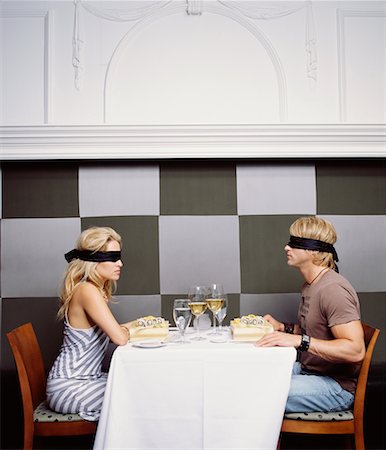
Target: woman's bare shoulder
pixel 87 289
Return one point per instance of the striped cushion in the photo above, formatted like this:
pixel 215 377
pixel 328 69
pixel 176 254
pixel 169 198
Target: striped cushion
pixel 43 414
pixel 321 416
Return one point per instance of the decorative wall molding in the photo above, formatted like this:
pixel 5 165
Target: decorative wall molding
pixel 245 14
pixel 206 141
pixel 271 11
pixel 47 17
pixel 212 8
pixel 342 15
pixel 263 40
pixel 127 14
pixel 194 7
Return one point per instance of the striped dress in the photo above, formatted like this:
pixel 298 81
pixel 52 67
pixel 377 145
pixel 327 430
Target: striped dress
pixel 76 383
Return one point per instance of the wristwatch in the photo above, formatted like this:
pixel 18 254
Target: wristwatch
pixel 304 343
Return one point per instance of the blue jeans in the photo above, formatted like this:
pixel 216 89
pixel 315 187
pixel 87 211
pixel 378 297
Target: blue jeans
pixel 310 393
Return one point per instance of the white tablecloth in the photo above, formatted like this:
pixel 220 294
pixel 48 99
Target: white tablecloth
pixel 197 396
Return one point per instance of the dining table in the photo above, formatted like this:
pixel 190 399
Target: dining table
pixel 202 395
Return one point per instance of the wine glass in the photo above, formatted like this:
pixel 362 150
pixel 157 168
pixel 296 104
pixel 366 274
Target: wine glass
pixel 221 334
pixel 197 304
pixel 221 314
pixel 215 300
pixel 182 316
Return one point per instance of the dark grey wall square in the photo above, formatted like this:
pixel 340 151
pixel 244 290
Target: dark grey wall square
pixel 198 188
pixel 140 273
pixel 40 189
pixel 351 187
pixel 233 308
pixel 283 306
pixel 41 312
pixel 373 310
pixel 1 272
pixel 263 261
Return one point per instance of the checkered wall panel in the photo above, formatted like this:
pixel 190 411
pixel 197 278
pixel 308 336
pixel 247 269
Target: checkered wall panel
pixel 190 222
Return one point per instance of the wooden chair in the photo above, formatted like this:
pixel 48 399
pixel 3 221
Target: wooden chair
pixel 38 419
pixel 345 422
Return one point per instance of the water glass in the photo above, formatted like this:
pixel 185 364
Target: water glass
pixel 182 316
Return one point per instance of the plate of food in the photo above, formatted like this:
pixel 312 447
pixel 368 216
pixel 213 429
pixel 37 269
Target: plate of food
pixel 149 344
pixel 250 328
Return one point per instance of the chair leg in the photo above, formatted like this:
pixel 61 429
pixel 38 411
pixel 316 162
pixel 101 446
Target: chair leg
pixel 28 437
pixel 359 439
pixel 28 441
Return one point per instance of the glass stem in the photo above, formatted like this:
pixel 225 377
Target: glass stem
pixel 214 322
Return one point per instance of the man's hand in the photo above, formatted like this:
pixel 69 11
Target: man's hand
pixel 277 338
pixel 277 326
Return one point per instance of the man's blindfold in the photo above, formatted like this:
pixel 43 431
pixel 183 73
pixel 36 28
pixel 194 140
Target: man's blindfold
pixel 312 244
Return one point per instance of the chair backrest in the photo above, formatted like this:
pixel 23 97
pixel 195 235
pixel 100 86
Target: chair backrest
pixel 370 335
pixel 29 365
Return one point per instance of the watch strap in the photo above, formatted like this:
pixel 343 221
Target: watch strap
pixel 304 343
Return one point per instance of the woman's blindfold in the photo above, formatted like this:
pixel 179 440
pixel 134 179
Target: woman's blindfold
pixel 89 255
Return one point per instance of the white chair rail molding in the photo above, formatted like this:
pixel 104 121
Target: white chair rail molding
pixel 201 141
pixel 194 78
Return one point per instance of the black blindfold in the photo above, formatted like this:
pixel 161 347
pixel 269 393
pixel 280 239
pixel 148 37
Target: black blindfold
pixel 89 255
pixel 312 244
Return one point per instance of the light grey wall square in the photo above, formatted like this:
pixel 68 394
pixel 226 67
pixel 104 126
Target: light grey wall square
pixel 199 250
pixel 33 255
pixel 361 248
pixel 116 190
pixel 274 189
pixel 130 307
pixel 283 307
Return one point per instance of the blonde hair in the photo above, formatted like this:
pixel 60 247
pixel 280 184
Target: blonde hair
pixel 316 228
pixel 78 271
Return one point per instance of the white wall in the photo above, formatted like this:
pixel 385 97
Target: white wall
pixel 225 63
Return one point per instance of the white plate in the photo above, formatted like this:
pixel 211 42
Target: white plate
pixel 148 344
pixel 218 339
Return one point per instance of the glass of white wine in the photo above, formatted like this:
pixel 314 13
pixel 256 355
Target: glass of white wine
pixel 221 314
pixel 197 304
pixel 215 301
pixel 182 316
pixel 221 334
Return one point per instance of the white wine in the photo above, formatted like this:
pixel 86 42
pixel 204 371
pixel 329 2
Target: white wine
pixel 215 304
pixel 182 317
pixel 198 308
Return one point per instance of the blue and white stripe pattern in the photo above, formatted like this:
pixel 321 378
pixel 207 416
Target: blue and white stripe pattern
pixel 76 383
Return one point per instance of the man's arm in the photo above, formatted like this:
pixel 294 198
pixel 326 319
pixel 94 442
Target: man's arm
pixel 348 345
pixel 280 326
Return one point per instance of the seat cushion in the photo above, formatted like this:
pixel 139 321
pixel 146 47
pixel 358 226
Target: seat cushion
pixel 44 414
pixel 321 416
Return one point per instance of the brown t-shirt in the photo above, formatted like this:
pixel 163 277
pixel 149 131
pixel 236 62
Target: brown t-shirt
pixel 331 301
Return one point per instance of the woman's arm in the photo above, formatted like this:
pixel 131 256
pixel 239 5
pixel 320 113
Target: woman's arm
pixel 94 305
